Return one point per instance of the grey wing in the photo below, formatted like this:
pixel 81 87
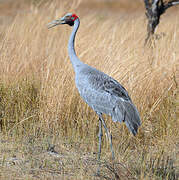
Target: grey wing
pixel 122 108
pixel 114 88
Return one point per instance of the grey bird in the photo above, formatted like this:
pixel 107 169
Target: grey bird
pixel 101 92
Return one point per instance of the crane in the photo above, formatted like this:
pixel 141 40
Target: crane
pixel 101 92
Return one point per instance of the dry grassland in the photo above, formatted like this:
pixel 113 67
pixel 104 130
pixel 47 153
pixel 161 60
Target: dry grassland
pixel 41 111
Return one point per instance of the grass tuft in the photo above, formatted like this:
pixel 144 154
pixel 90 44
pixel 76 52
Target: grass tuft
pixel 19 106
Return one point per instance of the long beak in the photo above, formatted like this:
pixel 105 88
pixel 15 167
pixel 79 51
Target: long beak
pixel 56 22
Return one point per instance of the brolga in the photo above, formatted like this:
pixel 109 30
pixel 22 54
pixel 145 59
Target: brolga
pixel 101 92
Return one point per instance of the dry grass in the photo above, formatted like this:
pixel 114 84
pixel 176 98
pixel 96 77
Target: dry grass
pixel 41 110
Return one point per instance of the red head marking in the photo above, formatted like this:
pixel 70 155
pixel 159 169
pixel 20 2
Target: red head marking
pixel 74 17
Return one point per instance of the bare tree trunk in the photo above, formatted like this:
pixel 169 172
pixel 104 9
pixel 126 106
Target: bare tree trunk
pixel 154 9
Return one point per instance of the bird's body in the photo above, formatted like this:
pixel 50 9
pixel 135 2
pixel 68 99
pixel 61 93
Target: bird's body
pixel 101 92
pixel 106 96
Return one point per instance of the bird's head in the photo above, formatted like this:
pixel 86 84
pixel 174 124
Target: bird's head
pixel 69 19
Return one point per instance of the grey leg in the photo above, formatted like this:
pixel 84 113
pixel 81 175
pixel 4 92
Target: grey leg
pixel 99 148
pixel 108 134
pixel 100 137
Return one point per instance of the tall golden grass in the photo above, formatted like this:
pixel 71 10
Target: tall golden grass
pixel 39 97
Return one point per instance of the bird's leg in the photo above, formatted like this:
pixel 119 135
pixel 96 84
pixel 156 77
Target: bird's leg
pixel 99 148
pixel 100 138
pixel 108 134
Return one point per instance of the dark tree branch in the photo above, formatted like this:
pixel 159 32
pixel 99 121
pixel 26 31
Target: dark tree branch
pixel 170 4
pixel 154 9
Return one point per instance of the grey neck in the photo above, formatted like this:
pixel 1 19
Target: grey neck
pixel 71 49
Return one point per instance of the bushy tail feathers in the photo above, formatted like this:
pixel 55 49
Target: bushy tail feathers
pixel 125 111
